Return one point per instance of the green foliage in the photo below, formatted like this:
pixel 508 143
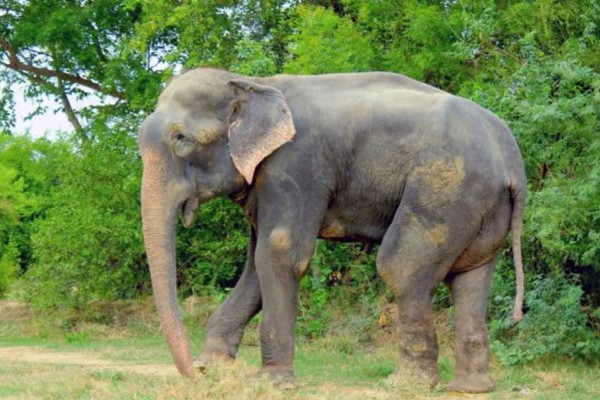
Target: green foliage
pixel 8 267
pixel 314 314
pixel 12 198
pixel 563 147
pixel 24 167
pixel 78 50
pixel 326 42
pixel 339 272
pixel 88 245
pixel 253 59
pixel 211 254
pixel 555 325
pixel 559 212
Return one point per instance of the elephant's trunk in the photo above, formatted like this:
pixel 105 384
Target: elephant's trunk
pixel 158 217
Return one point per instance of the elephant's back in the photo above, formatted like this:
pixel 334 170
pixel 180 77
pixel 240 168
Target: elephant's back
pixel 289 85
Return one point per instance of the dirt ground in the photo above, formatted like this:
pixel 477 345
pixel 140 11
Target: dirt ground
pixel 87 360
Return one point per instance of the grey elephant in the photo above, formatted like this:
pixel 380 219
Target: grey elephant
pixel 434 179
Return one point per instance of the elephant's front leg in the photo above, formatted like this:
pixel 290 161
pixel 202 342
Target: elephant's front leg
pixel 290 214
pixel 225 327
pixel 280 263
pixel 283 254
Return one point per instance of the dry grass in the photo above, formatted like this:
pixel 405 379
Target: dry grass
pixel 31 373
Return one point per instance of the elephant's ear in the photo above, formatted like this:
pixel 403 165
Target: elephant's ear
pixel 260 122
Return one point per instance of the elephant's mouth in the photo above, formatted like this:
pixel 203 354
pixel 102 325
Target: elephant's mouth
pixel 188 209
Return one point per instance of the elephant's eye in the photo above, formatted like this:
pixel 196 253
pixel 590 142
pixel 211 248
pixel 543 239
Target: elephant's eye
pixel 180 136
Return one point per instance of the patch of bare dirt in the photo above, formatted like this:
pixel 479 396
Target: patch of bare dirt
pixel 90 361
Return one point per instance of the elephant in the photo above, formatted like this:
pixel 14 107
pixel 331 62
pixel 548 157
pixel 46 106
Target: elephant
pixel 435 180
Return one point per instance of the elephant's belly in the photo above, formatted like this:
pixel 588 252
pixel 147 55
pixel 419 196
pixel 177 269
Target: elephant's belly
pixel 361 212
pixel 361 229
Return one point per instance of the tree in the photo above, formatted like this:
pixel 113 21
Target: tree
pixel 66 50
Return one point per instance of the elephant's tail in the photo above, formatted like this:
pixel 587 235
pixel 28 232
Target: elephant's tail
pixel 516 226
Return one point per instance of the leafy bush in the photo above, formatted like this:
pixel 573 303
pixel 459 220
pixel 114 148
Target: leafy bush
pixel 211 255
pixel 8 267
pixel 347 267
pixel 26 174
pixel 89 245
pixel 11 198
pixel 325 42
pixel 555 325
pixel 253 59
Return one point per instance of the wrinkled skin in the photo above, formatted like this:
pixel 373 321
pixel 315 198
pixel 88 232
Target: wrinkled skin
pixel 434 179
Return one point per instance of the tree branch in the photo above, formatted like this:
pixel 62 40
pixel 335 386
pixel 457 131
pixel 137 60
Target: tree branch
pixel 17 65
pixel 62 95
pixel 96 40
pixel 68 109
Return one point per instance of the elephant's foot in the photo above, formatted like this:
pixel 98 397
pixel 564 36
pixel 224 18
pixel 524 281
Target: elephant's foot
pixel 205 360
pixel 411 379
pixel 215 350
pixel 417 363
pixel 472 361
pixel 473 383
pixel 281 377
pixel 422 374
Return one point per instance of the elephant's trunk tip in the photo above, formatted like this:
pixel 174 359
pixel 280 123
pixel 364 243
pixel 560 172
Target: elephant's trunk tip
pixel 187 371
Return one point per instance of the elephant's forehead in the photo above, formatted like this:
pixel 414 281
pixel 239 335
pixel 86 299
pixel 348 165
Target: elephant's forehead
pixel 197 90
pixel 188 92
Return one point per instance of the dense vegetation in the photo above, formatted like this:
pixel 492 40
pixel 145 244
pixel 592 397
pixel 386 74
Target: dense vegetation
pixel 69 210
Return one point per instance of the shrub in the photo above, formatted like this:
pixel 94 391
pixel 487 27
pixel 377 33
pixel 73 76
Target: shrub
pixel 8 267
pixel 89 243
pixel 555 324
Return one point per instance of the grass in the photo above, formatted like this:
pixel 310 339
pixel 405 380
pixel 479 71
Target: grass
pixel 92 361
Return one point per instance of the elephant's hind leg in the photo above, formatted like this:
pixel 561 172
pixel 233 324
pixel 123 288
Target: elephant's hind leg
pixel 416 253
pixel 225 326
pixel 470 292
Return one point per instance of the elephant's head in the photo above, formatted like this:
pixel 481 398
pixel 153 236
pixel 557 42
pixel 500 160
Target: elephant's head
pixel 206 138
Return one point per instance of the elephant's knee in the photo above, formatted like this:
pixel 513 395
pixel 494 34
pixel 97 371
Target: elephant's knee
pixel 280 239
pixel 280 248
